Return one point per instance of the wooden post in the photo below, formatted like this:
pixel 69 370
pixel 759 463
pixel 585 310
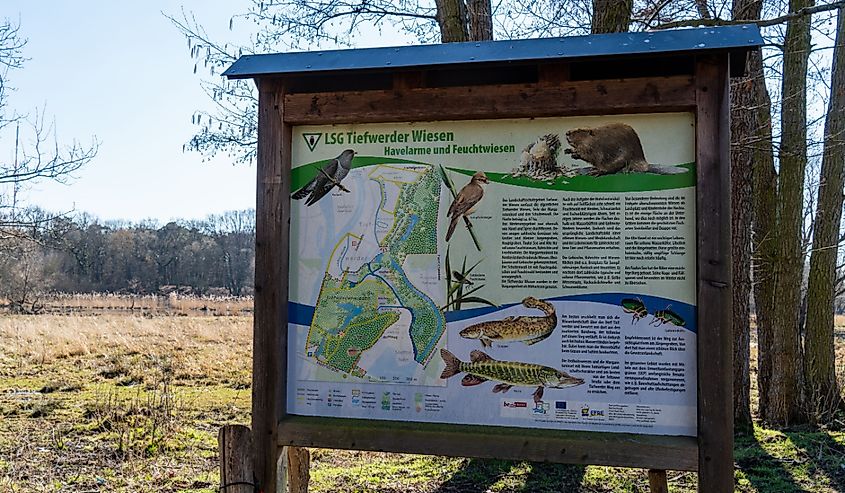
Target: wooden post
pixel 236 471
pixel 657 482
pixel 294 472
pixel 272 231
pixel 713 211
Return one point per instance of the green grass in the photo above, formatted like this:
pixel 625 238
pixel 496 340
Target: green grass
pixel 70 423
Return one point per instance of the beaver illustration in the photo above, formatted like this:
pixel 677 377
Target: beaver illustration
pixel 612 148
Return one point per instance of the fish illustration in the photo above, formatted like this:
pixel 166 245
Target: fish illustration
pixel 528 330
pixel 635 307
pixel 510 373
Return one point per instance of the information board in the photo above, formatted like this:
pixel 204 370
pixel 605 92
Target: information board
pixel 527 272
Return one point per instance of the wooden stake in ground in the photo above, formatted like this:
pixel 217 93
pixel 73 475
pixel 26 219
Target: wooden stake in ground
pixel 236 470
pixel 657 481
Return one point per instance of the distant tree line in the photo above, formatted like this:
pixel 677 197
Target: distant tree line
pixel 83 254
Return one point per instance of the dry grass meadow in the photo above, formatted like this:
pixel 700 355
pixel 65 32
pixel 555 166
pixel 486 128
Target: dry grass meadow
pixel 132 402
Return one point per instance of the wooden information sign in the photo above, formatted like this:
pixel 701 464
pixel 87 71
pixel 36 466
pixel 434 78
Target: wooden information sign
pixel 513 249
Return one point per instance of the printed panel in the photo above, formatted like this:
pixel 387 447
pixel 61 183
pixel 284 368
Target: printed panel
pixel 533 272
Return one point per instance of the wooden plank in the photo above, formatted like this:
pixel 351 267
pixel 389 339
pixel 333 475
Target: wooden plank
pixel 502 101
pixel 713 210
pixel 405 81
pixel 657 482
pixel 610 449
pixel 551 74
pixel 234 443
pixel 272 216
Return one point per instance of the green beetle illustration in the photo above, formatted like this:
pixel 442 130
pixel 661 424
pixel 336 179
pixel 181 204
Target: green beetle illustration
pixel 635 307
pixel 667 316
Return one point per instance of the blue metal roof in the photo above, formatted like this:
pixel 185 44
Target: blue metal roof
pixel 731 38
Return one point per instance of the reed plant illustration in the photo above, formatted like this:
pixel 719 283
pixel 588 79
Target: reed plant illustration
pixel 460 289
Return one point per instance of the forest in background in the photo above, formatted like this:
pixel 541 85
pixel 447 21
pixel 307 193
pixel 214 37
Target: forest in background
pixel 82 254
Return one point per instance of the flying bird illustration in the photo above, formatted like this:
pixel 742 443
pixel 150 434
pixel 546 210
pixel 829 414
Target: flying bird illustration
pixel 466 201
pixel 327 178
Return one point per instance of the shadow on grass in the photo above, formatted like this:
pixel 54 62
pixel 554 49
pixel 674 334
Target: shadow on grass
pixel 479 475
pixel 775 461
pixel 824 454
pixel 763 470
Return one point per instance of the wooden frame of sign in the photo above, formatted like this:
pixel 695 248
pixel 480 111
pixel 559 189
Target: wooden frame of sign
pixel 698 85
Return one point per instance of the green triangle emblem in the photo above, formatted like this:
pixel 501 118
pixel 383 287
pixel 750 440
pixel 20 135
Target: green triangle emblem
pixel 311 140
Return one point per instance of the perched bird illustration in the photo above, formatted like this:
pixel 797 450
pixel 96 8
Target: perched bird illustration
pixel 464 204
pixel 328 177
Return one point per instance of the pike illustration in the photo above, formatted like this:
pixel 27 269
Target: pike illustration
pixel 510 373
pixel 526 329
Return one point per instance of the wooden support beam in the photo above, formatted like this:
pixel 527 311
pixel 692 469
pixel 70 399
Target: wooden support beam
pixel 541 445
pixel 406 81
pixel 713 210
pixel 237 475
pixel 551 74
pixel 272 229
pixel 501 101
pixel 657 482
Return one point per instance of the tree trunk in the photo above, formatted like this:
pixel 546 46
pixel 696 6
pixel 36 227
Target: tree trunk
pixel 480 17
pixel 764 189
pixel 744 129
pixel 452 19
pixel 704 12
pixel 821 387
pixel 784 403
pixel 611 16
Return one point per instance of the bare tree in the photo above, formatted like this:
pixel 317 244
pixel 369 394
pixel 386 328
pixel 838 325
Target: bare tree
pixel 823 393
pixel 782 196
pixel 35 153
pixel 234 234
pixel 744 128
pixel 784 403
pixel 28 274
pixel 230 127
pixel 611 16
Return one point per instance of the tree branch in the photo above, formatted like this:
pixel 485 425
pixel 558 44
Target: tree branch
pixel 762 23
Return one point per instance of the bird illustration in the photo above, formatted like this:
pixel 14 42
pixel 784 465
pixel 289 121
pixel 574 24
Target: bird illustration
pixel 466 201
pixel 329 177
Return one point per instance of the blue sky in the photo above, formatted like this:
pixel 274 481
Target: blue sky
pixel 120 72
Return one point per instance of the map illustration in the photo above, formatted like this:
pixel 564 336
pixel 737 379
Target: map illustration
pixel 377 315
